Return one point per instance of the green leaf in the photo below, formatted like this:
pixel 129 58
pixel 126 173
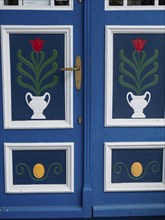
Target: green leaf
pixel 41 59
pixel 37 65
pixel 127 73
pixel 24 60
pixel 25 73
pixel 151 72
pixel 127 85
pixel 127 61
pixel 49 85
pixel 150 60
pixel 25 85
pixel 48 74
pixel 138 62
pixel 49 61
pixel 153 83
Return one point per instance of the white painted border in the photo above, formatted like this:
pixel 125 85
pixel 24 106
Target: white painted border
pixel 6 73
pixel 39 188
pixel 147 186
pixel 107 7
pixel 51 7
pixel 109 32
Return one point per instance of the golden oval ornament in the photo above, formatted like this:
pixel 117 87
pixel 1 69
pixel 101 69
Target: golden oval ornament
pixel 38 170
pixel 136 169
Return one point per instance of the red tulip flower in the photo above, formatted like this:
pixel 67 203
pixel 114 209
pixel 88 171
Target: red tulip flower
pixel 37 44
pixel 139 44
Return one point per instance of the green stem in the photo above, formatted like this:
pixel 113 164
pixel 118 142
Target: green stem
pixel 138 74
pixel 37 72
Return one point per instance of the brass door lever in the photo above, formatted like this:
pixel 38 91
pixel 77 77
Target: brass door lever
pixel 70 69
pixel 78 72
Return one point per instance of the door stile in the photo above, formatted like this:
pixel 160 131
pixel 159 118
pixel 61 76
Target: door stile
pixel 87 188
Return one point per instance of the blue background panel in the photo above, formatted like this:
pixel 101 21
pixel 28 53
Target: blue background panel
pixel 56 108
pixel 54 162
pixel 155 108
pixel 150 159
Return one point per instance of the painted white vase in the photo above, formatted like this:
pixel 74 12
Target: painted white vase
pixel 138 103
pixel 37 104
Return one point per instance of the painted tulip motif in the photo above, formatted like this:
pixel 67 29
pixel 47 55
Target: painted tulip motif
pixel 138 74
pixel 139 44
pixel 37 74
pixel 37 44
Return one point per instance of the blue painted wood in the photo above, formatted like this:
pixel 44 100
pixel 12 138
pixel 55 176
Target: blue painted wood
pixel 46 205
pixel 114 218
pixel 46 212
pixel 155 108
pixel 56 109
pixel 87 188
pixel 89 197
pixel 151 161
pixel 54 163
pixel 129 210
pixel 103 202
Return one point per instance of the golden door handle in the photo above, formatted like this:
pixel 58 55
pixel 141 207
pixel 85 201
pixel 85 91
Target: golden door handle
pixel 70 69
pixel 78 72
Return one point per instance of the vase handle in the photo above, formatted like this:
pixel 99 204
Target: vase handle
pixel 47 94
pixel 131 95
pixel 26 98
pixel 149 96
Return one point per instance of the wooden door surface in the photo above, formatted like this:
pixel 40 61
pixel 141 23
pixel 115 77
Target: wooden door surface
pixel 127 56
pixel 41 109
pixel 85 146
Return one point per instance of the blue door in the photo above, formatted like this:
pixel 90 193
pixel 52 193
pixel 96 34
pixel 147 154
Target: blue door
pixel 82 116
pixel 41 118
pixel 127 137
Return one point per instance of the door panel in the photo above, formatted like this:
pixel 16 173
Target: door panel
pixel 90 156
pixel 118 147
pixel 41 148
pixel 28 77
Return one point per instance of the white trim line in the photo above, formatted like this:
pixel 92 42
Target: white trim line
pixel 125 7
pixel 109 31
pixel 122 187
pixel 39 188
pixel 67 30
pixel 52 7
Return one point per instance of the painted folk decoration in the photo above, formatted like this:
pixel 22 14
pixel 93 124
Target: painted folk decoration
pixel 38 173
pixel 128 165
pixel 40 76
pixel 136 172
pixel 39 167
pixel 140 75
pixel 32 58
pixel 134 76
